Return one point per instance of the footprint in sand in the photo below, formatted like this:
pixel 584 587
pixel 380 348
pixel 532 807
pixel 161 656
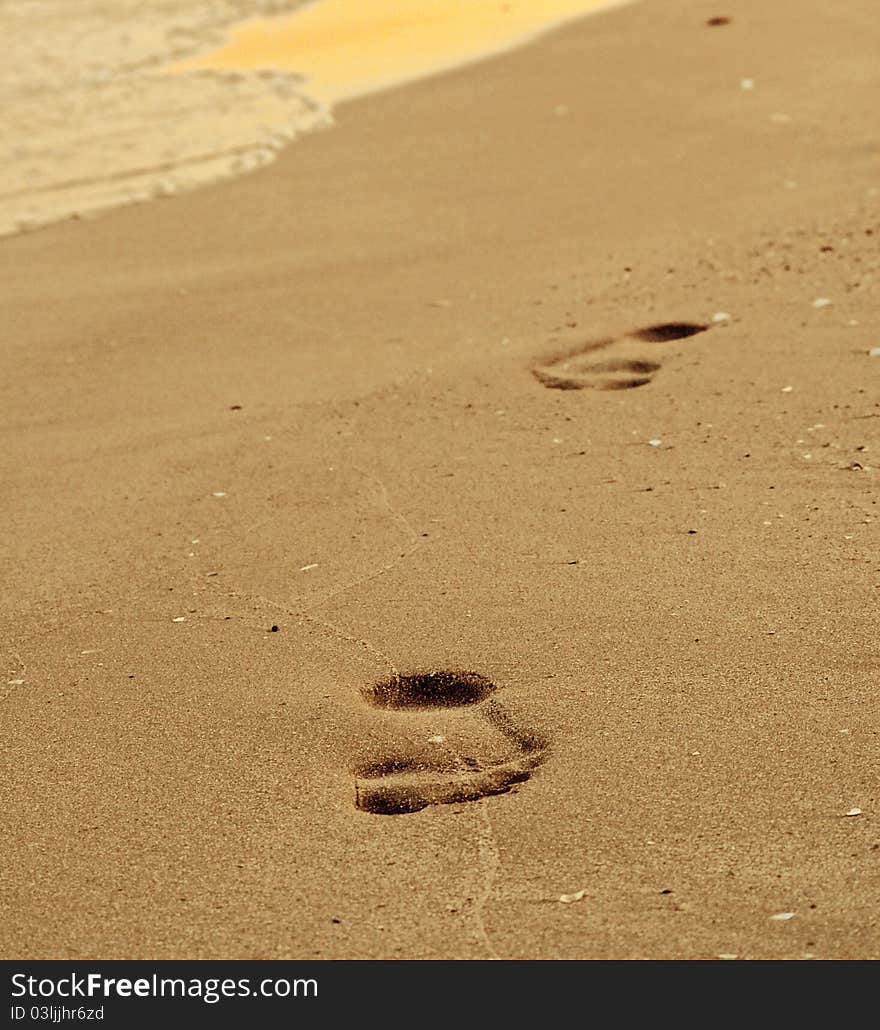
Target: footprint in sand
pixel 452 742
pixel 618 363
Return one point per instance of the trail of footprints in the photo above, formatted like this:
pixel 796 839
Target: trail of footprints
pixel 617 363
pixel 456 743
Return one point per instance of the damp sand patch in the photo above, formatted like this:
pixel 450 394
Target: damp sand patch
pixel 349 48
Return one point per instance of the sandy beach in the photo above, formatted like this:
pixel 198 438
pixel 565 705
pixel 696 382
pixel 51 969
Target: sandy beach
pixel 554 369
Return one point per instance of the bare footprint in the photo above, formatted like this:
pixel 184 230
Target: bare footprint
pixel 456 743
pixel 618 363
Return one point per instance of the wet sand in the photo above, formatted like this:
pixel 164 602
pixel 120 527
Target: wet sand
pixel 307 399
pixel 349 48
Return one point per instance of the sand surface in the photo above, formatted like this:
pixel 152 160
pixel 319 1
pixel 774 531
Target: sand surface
pixel 306 398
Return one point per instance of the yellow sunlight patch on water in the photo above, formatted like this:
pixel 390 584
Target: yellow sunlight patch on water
pixel 346 48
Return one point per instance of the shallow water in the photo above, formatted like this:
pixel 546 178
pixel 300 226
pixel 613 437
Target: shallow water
pixel 109 102
pixel 347 48
pixel 89 121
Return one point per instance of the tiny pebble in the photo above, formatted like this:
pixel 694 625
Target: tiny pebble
pixel 15 683
pixel 874 352
pixel 721 316
pixel 821 302
pixel 787 389
pixel 854 811
pixel 781 917
pixel 219 493
pixel 567 899
pixel 305 568
pixel 654 443
pixel 180 618
pixel 727 955
pixel 746 83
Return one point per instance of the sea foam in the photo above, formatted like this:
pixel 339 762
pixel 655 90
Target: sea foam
pixel 90 119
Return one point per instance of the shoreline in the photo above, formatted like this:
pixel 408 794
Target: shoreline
pixel 88 127
pixel 168 101
pixel 348 49
pixel 306 398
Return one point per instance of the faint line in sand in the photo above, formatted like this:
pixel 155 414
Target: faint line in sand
pixel 488 865
pixel 396 516
pixel 304 616
pixel 18 679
